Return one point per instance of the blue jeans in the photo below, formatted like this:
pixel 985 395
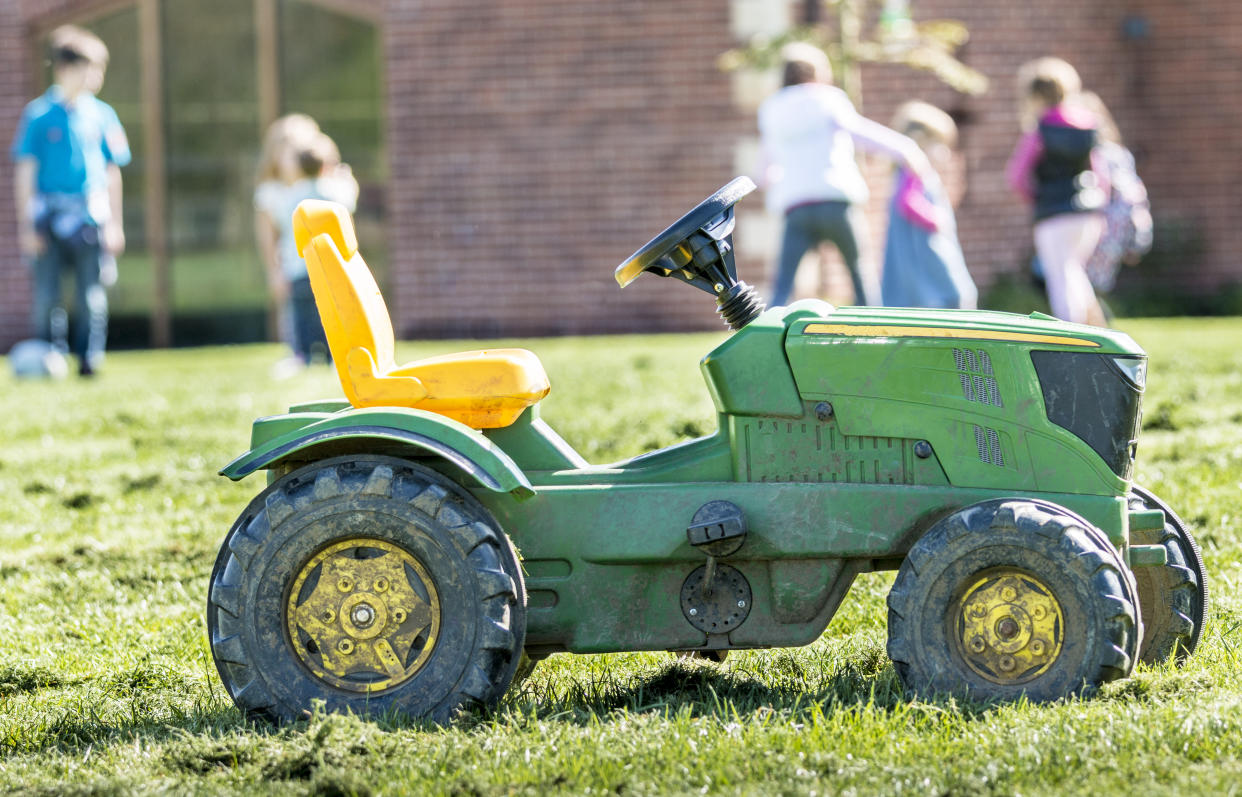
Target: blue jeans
pixel 809 225
pixel 79 256
pixel 308 334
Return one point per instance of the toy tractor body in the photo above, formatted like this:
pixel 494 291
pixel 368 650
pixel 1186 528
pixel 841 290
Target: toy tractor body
pixel 985 456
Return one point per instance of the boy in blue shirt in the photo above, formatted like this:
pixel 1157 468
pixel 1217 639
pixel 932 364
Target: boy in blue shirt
pixel 69 150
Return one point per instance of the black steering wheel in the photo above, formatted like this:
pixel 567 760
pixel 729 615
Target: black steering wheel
pixel 713 217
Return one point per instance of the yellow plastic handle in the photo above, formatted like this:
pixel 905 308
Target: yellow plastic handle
pixel 627 273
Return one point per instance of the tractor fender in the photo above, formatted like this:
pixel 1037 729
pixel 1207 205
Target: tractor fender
pixel 391 430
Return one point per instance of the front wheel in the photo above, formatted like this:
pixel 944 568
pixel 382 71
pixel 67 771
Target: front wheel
pixel 372 584
pixel 1010 598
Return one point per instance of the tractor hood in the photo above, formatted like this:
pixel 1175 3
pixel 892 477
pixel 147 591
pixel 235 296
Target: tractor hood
pixel 1038 330
pixel 992 392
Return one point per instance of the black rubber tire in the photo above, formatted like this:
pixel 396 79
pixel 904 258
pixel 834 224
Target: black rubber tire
pixel 470 561
pixel 1076 563
pixel 1173 599
pixel 1096 533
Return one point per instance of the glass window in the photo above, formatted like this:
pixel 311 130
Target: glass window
pixel 212 124
pixel 330 67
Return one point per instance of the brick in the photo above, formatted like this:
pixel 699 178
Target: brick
pixel 534 145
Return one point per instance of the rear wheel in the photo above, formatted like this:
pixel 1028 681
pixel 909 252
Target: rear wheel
pixel 1011 598
pixel 1173 598
pixel 372 584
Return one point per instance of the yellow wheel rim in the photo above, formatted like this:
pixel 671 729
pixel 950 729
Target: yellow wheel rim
pixel 1010 627
pixel 363 615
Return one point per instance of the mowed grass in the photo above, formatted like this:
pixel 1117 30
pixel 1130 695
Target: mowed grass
pixel 112 515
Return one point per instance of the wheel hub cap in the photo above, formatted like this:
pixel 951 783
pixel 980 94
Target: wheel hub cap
pixel 1009 626
pixel 363 615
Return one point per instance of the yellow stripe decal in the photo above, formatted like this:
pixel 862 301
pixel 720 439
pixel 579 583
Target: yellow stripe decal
pixel 861 331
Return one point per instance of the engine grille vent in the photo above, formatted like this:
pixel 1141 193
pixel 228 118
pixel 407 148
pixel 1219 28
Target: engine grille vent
pixel 802 451
pixel 988 443
pixel 975 374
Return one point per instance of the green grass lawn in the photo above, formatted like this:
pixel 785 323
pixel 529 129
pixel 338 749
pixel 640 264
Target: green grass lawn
pixel 113 513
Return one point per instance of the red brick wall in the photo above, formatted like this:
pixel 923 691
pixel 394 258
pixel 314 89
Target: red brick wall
pixel 1184 114
pixel 1170 73
pixel 533 144
pixel 18 20
pixel 14 278
pixel 994 225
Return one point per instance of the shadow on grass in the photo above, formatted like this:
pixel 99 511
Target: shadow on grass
pixel 786 685
pixel 212 735
pixel 21 678
pixel 776 682
pixel 327 754
pixel 80 728
pixel 42 710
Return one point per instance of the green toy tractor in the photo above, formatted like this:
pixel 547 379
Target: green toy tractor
pixel 425 539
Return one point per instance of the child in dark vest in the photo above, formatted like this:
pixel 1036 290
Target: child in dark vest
pixel 1054 168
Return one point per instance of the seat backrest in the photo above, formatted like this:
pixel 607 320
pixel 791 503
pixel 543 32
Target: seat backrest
pixel 350 304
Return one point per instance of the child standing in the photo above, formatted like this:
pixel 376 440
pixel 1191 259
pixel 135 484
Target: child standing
pixel 923 261
pixel 308 167
pixel 809 130
pixel 1054 167
pixel 69 150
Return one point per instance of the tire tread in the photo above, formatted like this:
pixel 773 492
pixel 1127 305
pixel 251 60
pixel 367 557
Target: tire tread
pixel 1085 551
pixel 499 595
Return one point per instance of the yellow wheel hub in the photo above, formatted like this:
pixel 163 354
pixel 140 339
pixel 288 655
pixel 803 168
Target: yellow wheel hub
pixel 1009 627
pixel 363 615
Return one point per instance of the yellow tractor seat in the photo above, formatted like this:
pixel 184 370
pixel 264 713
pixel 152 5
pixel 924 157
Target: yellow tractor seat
pixel 482 389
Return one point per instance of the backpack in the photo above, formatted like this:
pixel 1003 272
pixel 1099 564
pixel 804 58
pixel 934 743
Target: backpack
pixel 1127 219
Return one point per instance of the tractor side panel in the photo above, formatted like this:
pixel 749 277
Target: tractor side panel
pixel 605 564
pixel 814 450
